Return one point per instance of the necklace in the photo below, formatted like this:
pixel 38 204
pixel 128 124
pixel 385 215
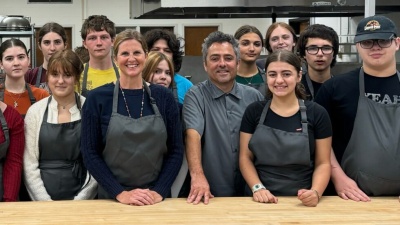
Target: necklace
pixel 65 106
pixel 249 81
pixel 15 100
pixel 126 104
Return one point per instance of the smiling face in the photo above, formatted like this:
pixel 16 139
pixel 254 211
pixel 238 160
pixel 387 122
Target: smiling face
pixel 99 44
pixel 130 58
pixel 319 62
pixel 250 46
pixel 281 38
pixel 282 78
pixel 15 62
pixel 50 44
pixel 221 63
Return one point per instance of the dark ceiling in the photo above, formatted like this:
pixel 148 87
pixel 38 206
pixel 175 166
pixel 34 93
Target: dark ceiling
pixel 263 12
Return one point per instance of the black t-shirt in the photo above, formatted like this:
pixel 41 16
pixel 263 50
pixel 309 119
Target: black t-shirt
pixel 339 96
pixel 316 87
pixel 319 125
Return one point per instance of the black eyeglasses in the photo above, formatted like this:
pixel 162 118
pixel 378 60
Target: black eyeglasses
pixel 313 50
pixel 383 43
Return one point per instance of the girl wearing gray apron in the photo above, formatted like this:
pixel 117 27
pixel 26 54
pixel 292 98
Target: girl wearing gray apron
pixel 53 164
pixel 60 161
pixel 285 153
pixel 374 164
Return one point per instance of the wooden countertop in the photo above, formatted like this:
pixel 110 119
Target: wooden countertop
pixel 289 211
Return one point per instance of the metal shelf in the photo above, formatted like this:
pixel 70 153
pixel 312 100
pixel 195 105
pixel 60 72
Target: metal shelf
pixel 23 34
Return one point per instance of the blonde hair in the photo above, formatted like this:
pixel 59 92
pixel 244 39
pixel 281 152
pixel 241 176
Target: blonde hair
pixel 152 61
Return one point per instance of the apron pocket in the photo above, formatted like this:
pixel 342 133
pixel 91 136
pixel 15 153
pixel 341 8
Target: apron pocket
pixel 376 186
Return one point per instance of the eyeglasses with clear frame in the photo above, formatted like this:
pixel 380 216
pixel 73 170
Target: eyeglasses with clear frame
pixel 313 50
pixel 383 43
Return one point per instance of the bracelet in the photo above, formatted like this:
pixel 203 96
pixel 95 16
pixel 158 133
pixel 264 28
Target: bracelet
pixel 316 192
pixel 257 187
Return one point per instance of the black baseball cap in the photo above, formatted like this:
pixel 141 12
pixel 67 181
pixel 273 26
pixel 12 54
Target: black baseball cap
pixel 375 27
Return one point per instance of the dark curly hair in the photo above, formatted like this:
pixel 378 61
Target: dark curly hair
pixel 97 23
pixel 318 31
pixel 152 36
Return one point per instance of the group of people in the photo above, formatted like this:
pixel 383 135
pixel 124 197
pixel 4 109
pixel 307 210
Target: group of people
pixel 120 125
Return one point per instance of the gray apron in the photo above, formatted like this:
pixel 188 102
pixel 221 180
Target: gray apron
pixel 372 156
pixel 261 87
pixel 135 148
pixel 85 76
pixel 60 161
pixel 310 85
pixel 38 82
pixel 3 150
pixel 282 159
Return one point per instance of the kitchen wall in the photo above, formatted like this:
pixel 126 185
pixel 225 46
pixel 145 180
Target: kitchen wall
pixel 73 14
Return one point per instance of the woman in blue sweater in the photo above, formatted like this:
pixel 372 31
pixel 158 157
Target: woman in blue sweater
pixel 131 132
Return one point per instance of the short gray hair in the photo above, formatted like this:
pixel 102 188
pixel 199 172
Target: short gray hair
pixel 220 37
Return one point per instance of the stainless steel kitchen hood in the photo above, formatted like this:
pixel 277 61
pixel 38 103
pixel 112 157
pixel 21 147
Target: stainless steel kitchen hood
pixel 215 9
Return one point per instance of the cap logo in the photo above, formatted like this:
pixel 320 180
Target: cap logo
pixel 372 25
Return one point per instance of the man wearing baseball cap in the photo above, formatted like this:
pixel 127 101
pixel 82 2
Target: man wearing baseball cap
pixel 364 106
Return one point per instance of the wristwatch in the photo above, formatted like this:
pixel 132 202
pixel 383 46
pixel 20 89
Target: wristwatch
pixel 257 187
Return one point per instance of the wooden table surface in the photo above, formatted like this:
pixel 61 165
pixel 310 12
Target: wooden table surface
pixel 331 210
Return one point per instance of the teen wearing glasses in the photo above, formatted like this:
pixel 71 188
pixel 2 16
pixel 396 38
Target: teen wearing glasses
pixel 318 45
pixel 364 107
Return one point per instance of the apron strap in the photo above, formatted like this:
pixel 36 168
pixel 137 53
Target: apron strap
pixel 146 88
pixel 32 98
pixel 2 86
pixel 264 112
pixel 115 69
pixel 309 83
pixel 303 114
pixel 77 101
pixel 85 77
pixel 175 91
pixel 5 129
pixel 84 81
pixel 39 76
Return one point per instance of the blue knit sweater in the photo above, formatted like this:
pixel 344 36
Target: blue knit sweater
pixel 96 113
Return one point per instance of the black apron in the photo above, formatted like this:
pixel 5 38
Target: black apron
pixel 372 156
pixel 282 159
pixel 85 76
pixel 3 150
pixel 60 161
pixel 135 148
